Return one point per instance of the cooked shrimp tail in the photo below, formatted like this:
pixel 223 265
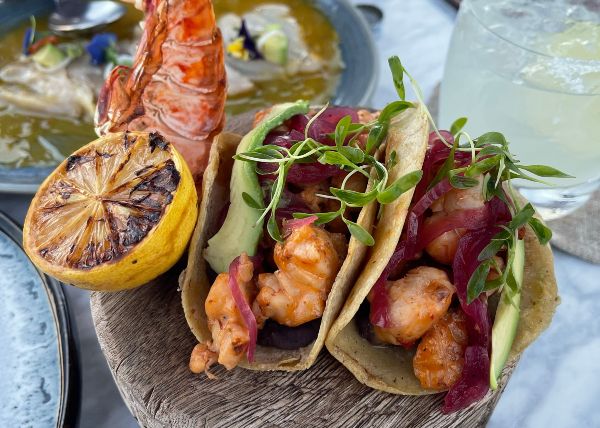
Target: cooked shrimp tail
pixel 177 83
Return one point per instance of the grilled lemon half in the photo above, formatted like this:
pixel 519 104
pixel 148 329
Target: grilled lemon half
pixel 114 215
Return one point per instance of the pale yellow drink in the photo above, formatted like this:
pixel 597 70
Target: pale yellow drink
pixel 537 83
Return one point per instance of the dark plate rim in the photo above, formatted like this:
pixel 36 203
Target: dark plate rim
pixel 60 313
pixel 371 50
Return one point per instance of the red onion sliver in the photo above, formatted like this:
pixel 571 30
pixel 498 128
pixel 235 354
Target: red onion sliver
pixel 243 306
pixel 435 142
pixel 431 196
pixel 278 139
pixel 327 121
pixel 336 113
pixel 465 262
pixel 311 173
pixel 299 122
pixel 474 381
pixel 379 313
pixel 460 219
pixel 297 223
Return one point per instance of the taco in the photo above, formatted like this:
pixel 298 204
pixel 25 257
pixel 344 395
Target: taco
pixel 285 221
pixel 461 289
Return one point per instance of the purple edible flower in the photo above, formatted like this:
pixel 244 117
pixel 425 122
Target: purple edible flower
pixel 98 46
pixel 249 44
pixel 27 40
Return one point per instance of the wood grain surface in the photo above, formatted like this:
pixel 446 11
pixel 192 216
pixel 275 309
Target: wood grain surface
pixel 146 341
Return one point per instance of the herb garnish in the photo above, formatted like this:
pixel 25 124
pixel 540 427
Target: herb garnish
pixel 349 157
pixel 345 154
pixel 490 158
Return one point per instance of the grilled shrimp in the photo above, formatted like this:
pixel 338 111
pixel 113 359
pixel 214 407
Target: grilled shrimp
pixel 177 83
pixel 228 329
pixel 308 262
pixel 309 196
pixel 202 358
pixel 443 248
pixel 439 360
pixel 416 302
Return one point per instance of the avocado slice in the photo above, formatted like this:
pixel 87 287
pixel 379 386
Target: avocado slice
pixel 49 56
pixel 241 230
pixel 273 45
pixel 507 317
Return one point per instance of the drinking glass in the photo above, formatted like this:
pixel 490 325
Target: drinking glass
pixel 531 70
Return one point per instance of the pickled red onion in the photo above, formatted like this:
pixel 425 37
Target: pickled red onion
pixel 297 223
pixel 243 306
pixel 460 219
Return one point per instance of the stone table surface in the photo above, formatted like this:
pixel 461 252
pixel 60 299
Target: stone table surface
pixel 556 382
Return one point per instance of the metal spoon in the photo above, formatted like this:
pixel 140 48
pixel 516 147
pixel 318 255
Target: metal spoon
pixel 79 16
pixel 371 13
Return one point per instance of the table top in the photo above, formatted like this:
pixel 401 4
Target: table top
pixel 555 383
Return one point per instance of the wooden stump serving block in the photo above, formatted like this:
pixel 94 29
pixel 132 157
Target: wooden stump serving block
pixel 147 343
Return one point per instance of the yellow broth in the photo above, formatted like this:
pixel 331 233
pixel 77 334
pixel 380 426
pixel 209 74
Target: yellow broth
pixel 28 140
pixel 322 40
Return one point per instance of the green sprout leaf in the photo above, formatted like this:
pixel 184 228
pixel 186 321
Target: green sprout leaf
pixel 392 161
pixel 545 171
pixel 482 166
pixel 522 217
pixel 341 130
pixel 400 186
pixel 359 232
pixel 512 283
pixel 336 158
pixel 322 218
pixel 543 233
pixel 352 198
pixel 491 138
pixel 273 228
pixel 491 249
pixel 494 284
pixel 376 136
pixel 458 125
pixel 476 283
pixel 251 202
pixel 353 154
pixel 398 76
pixel 392 109
pixel 461 182
pixel 490 151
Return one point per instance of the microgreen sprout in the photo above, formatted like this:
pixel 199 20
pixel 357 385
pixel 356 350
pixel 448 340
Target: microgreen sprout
pixel 347 155
pixel 492 160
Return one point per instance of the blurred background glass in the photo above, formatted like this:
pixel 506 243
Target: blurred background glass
pixel 531 70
